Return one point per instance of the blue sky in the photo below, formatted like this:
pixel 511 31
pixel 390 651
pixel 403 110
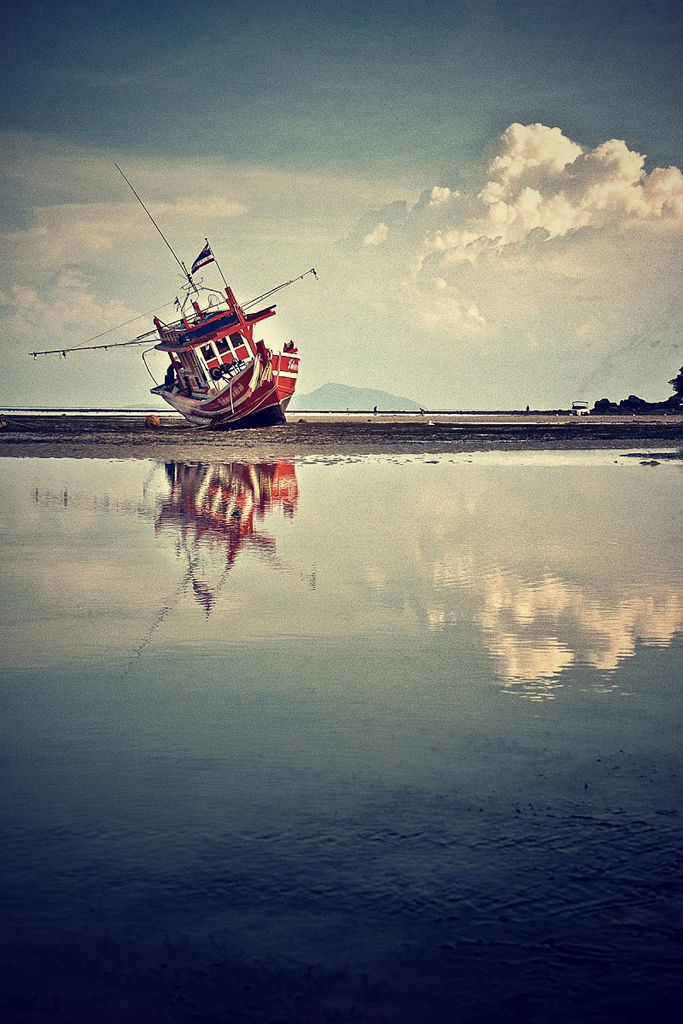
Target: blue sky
pixel 463 262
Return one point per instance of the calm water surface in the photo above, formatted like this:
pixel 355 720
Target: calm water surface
pixel 387 740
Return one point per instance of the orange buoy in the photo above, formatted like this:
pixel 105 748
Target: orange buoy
pixel 153 421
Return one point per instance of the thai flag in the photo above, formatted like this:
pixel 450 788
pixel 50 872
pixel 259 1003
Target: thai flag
pixel 205 256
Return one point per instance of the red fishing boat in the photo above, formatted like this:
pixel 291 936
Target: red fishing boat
pixel 220 373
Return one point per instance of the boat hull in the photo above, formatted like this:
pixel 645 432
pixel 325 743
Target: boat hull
pixel 257 397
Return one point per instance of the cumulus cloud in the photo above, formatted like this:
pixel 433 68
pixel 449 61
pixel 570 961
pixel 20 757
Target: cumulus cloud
pixel 441 194
pixel 526 148
pixel 379 234
pixel 450 307
pixel 61 234
pixel 561 264
pixel 541 180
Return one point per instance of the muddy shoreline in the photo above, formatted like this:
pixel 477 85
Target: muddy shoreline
pixel 119 436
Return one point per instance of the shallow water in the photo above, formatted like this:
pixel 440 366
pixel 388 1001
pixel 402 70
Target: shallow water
pixel 383 739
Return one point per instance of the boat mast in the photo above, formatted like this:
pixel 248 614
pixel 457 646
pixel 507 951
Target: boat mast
pixel 182 266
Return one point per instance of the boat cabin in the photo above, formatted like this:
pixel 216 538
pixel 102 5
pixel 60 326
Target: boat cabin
pixel 210 348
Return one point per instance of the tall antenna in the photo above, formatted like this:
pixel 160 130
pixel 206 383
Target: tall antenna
pixel 179 262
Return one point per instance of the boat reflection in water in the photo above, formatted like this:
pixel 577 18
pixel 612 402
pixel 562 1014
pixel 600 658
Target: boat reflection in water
pixel 220 507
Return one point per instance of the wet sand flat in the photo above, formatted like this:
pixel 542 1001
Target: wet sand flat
pixel 112 435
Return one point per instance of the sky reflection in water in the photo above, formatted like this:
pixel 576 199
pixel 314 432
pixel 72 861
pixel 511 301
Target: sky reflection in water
pixel 542 568
pixel 357 738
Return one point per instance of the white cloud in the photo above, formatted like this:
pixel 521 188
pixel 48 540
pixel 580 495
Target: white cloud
pixel 450 309
pixel 525 148
pixel 542 180
pixel 63 234
pixel 562 264
pixel 441 194
pixel 379 234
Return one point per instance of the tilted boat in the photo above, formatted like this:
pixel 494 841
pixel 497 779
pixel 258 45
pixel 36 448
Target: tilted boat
pixel 219 374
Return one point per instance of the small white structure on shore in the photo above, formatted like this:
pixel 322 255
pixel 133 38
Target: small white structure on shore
pixel 580 408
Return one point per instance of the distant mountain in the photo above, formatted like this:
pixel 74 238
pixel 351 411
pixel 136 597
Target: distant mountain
pixel 340 397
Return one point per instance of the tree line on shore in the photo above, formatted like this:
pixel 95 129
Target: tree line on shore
pixel 634 404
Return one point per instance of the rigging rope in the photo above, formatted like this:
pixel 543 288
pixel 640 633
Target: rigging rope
pixel 143 339
pixel 117 328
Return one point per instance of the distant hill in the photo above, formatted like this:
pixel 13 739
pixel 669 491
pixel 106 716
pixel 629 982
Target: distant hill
pixel 340 397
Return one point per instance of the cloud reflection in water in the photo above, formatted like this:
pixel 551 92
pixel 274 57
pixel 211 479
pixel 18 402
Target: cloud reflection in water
pixel 534 630
pixel 539 583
